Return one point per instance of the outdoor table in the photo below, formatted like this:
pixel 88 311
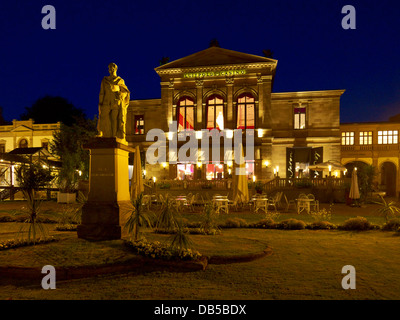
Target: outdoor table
pixel 303 203
pixel 260 203
pixel 221 202
pixel 180 201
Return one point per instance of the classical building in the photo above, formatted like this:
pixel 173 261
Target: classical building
pixel 376 144
pixel 26 134
pixel 227 90
pixel 24 142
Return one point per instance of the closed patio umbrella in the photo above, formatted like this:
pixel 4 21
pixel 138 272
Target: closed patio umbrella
pixel 240 184
pixel 354 190
pixel 137 186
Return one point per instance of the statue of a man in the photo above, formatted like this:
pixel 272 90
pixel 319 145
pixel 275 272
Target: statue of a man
pixel 113 101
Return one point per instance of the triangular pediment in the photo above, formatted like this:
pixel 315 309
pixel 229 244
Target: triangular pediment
pixel 21 128
pixel 215 56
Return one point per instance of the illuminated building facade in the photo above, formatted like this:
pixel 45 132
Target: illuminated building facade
pixel 227 90
pixel 376 144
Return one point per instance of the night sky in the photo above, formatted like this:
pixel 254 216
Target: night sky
pixel 313 51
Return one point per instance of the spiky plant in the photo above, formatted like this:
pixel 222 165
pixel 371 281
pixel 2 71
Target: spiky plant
pixel 209 217
pixel 181 241
pixel 30 178
pixel 168 216
pixel 137 218
pixel 387 209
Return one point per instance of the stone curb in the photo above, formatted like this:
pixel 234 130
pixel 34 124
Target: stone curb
pixel 139 265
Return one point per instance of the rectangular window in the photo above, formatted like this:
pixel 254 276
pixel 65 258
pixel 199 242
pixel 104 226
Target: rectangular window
pixel 365 137
pixel 45 145
pixel 388 137
pixel 214 171
pixel 185 171
pixel 2 148
pixel 299 118
pixel 186 118
pixel 139 124
pixel 347 138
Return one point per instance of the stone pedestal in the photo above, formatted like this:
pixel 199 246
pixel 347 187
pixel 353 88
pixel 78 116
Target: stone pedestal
pixel 109 196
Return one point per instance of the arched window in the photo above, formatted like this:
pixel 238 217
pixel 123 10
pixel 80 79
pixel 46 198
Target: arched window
pixel 245 111
pixel 185 114
pixel 215 112
pixel 23 143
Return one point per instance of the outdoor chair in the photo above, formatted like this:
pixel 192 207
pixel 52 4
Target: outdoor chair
pixel 190 202
pixel 302 203
pixel 289 203
pixel 146 202
pixel 275 201
pixel 233 204
pixel 314 204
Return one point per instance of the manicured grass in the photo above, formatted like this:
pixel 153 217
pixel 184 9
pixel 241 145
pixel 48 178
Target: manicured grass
pixel 305 264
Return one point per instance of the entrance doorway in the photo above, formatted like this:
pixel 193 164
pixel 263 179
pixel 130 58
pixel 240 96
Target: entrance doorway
pixel 388 178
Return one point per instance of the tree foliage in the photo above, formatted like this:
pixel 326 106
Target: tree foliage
pixel 67 144
pixel 51 109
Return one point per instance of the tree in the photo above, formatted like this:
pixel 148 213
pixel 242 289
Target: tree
pixel 51 109
pixel 2 120
pixel 67 144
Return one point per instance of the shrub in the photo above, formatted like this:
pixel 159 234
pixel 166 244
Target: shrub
pixel 356 224
pixel 391 225
pixel 235 223
pixel 9 244
pixel 292 224
pixel 321 225
pixel 7 219
pixel 158 250
pixel 266 223
pixel 321 215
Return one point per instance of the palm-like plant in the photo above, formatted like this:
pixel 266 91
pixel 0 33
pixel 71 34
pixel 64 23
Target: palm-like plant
pixel 137 218
pixel 181 240
pixel 388 209
pixel 209 217
pixel 30 179
pixel 167 218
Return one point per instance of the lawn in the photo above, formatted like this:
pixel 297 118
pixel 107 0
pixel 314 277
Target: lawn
pixel 305 264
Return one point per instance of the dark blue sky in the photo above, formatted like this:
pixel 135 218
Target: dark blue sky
pixel 306 37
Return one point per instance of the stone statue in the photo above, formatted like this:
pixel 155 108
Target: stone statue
pixel 113 101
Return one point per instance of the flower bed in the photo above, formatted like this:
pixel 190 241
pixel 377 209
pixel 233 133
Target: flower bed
pixel 158 250
pixel 66 227
pixel 10 244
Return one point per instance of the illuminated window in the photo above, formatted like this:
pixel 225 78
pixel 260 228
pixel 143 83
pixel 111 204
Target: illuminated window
pixel 366 137
pixel 299 118
pixel 214 171
pixel 347 138
pixel 388 137
pixel 185 114
pixel 23 143
pixel 245 112
pixel 139 124
pixel 185 171
pixel 215 112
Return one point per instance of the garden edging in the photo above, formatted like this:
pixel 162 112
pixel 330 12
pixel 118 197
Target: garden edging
pixel 138 264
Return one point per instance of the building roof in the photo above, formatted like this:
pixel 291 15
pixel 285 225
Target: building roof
pixel 31 151
pixel 214 56
pixel 13 158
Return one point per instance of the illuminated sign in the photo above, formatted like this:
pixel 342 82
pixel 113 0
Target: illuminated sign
pixel 214 74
